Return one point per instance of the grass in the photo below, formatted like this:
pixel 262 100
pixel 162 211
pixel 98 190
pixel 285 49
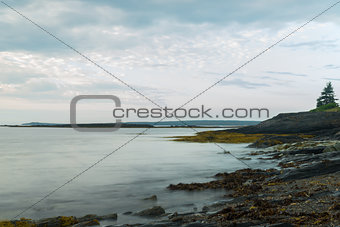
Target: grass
pixel 331 107
pixel 228 137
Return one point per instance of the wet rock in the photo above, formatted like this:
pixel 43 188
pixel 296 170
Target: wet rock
pixel 282 225
pixel 215 206
pixel 304 146
pixel 317 169
pixel 87 217
pixel 93 222
pixel 113 216
pixel 57 221
pixel 152 198
pixel 165 224
pixel 245 158
pixel 337 136
pixel 227 181
pixel 152 212
pixel 197 224
pixel 127 213
pixel 268 141
pixel 335 147
pixel 23 222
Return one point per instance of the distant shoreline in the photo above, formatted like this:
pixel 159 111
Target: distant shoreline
pixel 163 124
pixel 129 126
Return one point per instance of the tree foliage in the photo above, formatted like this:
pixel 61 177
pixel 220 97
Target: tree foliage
pixel 327 96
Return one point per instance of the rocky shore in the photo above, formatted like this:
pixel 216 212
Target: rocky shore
pixel 302 190
pixel 281 129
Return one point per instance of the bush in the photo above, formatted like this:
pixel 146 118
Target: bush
pixel 326 107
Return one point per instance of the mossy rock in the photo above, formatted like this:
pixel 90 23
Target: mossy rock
pixel 269 140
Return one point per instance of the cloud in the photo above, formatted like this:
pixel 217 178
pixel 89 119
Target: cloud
pixel 336 79
pixel 168 50
pixel 314 45
pixel 331 66
pixel 285 73
pixel 243 83
pixel 85 24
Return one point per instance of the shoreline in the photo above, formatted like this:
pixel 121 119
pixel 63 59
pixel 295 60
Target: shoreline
pixel 304 189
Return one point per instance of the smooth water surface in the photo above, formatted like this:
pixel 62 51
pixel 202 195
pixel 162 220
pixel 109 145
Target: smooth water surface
pixel 35 161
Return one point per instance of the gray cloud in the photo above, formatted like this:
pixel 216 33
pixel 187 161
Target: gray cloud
pixel 81 22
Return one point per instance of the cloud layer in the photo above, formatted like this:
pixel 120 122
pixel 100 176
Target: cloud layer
pixel 168 50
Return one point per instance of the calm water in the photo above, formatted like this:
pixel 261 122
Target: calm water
pixel 35 161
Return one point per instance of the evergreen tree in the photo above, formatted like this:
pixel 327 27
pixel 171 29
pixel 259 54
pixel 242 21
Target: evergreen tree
pixel 327 96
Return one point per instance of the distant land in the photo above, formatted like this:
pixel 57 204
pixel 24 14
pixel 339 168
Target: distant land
pixel 192 123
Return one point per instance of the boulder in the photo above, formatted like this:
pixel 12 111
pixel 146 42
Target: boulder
pixel 113 216
pixel 153 198
pixel 152 212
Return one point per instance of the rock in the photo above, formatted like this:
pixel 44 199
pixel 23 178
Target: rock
pixel 197 224
pixel 91 217
pixel 152 212
pixel 335 147
pixel 282 225
pixel 165 224
pixel 19 223
pixel 303 122
pixel 57 221
pixel 268 141
pixel 318 169
pixel 93 222
pixel 153 198
pixel 113 216
pixel 244 158
pixel 127 213
pixel 337 136
pixel 87 217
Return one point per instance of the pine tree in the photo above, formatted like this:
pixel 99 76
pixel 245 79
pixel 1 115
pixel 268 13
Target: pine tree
pixel 327 96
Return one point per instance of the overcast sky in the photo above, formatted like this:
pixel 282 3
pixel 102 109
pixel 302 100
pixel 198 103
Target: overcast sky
pixel 169 50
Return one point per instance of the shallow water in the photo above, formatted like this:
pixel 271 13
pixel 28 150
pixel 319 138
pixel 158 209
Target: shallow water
pixel 35 161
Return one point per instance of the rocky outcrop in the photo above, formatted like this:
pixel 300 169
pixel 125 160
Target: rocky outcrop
pixel 152 212
pixel 318 123
pixel 317 169
pixel 272 140
pixel 152 198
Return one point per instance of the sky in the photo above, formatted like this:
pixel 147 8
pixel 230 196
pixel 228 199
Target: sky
pixel 169 51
